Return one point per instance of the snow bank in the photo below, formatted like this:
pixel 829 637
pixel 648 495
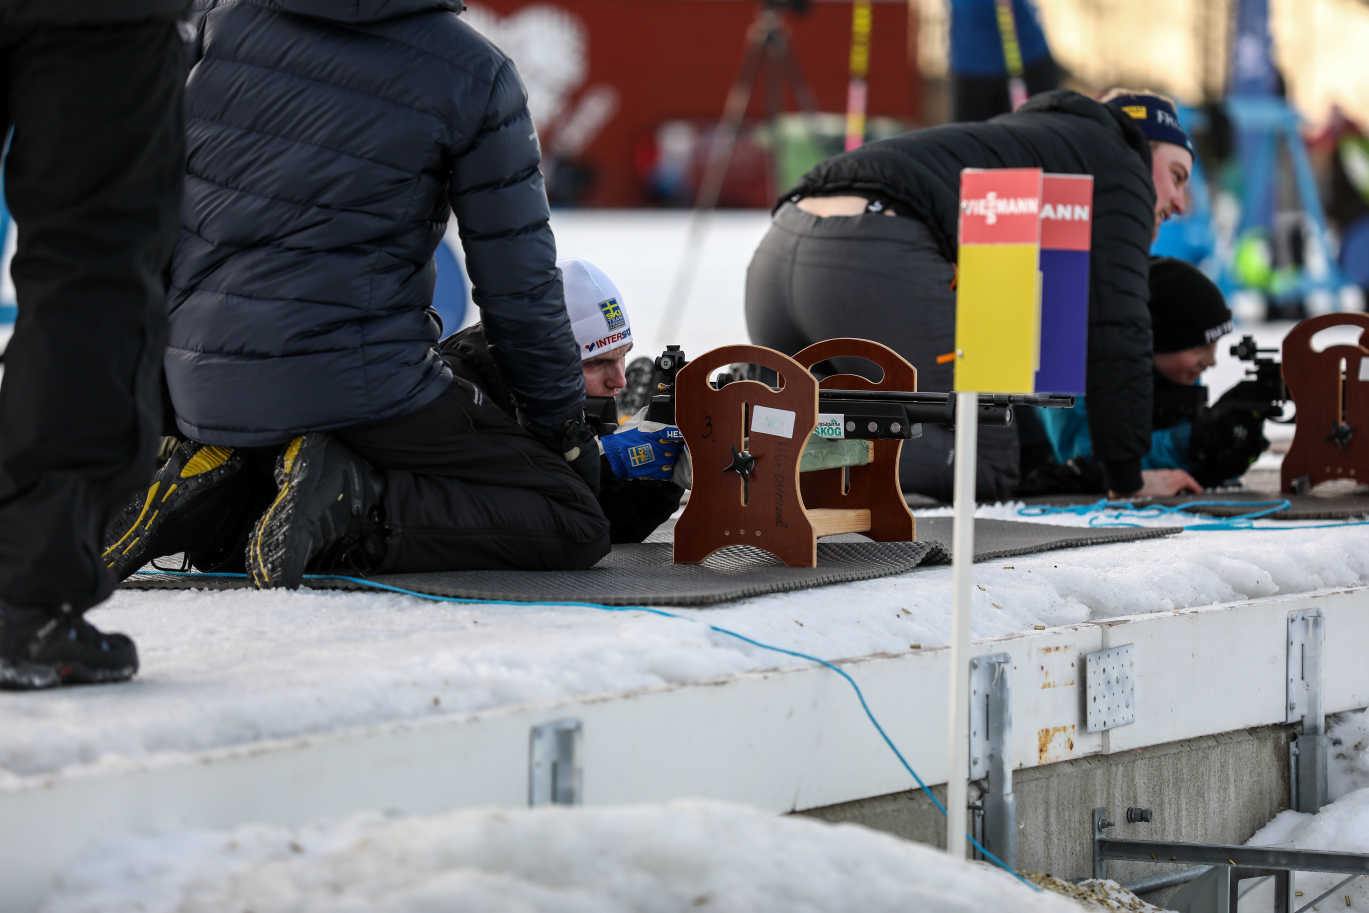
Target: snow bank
pixel 1342 826
pixel 687 855
pixel 232 668
pixel 1348 768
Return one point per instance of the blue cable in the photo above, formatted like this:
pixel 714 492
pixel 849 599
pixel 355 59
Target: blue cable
pixel 1122 510
pixel 860 695
pixel 1125 509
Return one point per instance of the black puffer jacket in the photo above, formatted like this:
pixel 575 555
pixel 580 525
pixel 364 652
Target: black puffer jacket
pixel 88 12
pixel 1060 132
pixel 634 507
pixel 329 142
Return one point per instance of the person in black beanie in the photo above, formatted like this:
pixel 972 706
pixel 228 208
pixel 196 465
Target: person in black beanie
pixel 1203 447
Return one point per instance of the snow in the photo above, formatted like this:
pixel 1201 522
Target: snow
pixel 1340 826
pixel 233 668
pixel 1348 769
pixel 685 855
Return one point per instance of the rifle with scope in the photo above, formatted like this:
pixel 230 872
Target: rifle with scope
pixel 865 414
pixel 1263 389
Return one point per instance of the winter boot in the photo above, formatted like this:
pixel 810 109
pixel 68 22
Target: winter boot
pixel 193 500
pixel 41 650
pixel 328 497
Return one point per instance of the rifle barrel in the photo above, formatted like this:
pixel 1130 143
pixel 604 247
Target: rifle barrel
pixel 1045 400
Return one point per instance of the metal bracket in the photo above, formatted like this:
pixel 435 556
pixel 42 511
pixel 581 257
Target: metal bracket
pixel 1214 885
pixel 990 744
pixel 1100 826
pixel 1109 688
pixel 555 774
pixel 1218 890
pixel 1308 751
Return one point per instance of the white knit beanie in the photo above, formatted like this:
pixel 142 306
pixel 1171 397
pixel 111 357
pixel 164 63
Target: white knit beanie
pixel 595 308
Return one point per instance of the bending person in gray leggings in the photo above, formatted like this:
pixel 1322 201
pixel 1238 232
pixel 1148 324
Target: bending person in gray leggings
pixel 864 245
pixel 818 277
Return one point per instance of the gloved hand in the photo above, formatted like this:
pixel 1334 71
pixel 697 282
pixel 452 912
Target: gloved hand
pixel 1251 395
pixel 1226 439
pixel 642 449
pixel 1080 475
pixel 578 446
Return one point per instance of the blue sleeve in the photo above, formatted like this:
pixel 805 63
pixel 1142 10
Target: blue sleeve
pixel 1068 431
pixel 1169 448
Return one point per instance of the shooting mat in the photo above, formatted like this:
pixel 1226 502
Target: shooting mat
pixel 645 575
pixel 994 539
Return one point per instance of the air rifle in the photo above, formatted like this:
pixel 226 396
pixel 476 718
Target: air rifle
pixel 1263 388
pixel 855 414
pixel 786 458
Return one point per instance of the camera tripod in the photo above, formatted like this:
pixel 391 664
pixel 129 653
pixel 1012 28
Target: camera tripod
pixel 768 56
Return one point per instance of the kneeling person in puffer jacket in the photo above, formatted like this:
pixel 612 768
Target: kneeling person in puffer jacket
pixel 328 144
pixel 644 468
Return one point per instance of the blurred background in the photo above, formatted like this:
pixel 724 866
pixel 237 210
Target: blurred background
pixel 669 127
pixel 722 104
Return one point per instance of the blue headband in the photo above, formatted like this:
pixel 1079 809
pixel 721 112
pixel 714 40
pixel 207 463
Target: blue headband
pixel 1155 116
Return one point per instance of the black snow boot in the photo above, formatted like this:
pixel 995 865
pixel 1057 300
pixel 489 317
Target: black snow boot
pixel 328 498
pixel 195 503
pixel 41 650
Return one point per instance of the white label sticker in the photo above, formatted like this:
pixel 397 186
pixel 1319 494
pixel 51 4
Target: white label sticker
pixel 831 425
pixel 1364 369
pixel 777 422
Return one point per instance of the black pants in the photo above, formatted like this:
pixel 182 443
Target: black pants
pixel 93 180
pixel 466 487
pixel 877 277
pixel 983 97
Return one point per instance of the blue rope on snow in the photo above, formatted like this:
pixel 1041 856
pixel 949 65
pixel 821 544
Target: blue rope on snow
pixel 860 695
pixel 1123 511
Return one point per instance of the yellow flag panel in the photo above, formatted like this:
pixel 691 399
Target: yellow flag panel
pixel 998 318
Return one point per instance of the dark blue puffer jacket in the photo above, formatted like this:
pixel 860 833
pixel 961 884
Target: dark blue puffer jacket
pixel 328 141
pixel 88 12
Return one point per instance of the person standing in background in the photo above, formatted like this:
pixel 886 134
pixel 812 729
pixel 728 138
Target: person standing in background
pixel 998 50
pixel 93 91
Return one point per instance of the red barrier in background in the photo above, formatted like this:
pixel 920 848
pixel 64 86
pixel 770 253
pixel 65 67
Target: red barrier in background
pixel 604 75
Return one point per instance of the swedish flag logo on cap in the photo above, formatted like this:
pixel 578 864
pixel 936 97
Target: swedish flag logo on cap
pixel 613 313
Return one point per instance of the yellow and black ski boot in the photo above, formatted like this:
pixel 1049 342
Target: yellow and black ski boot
pixel 183 510
pixel 328 498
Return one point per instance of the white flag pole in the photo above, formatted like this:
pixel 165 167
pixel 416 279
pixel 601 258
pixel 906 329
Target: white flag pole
pixel 962 560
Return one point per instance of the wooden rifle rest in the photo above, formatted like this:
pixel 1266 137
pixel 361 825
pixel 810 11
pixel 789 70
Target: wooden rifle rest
pixel 1330 389
pixel 772 510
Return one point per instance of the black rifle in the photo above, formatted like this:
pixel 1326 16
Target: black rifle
pixel 601 414
pixel 865 414
pixel 1263 389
